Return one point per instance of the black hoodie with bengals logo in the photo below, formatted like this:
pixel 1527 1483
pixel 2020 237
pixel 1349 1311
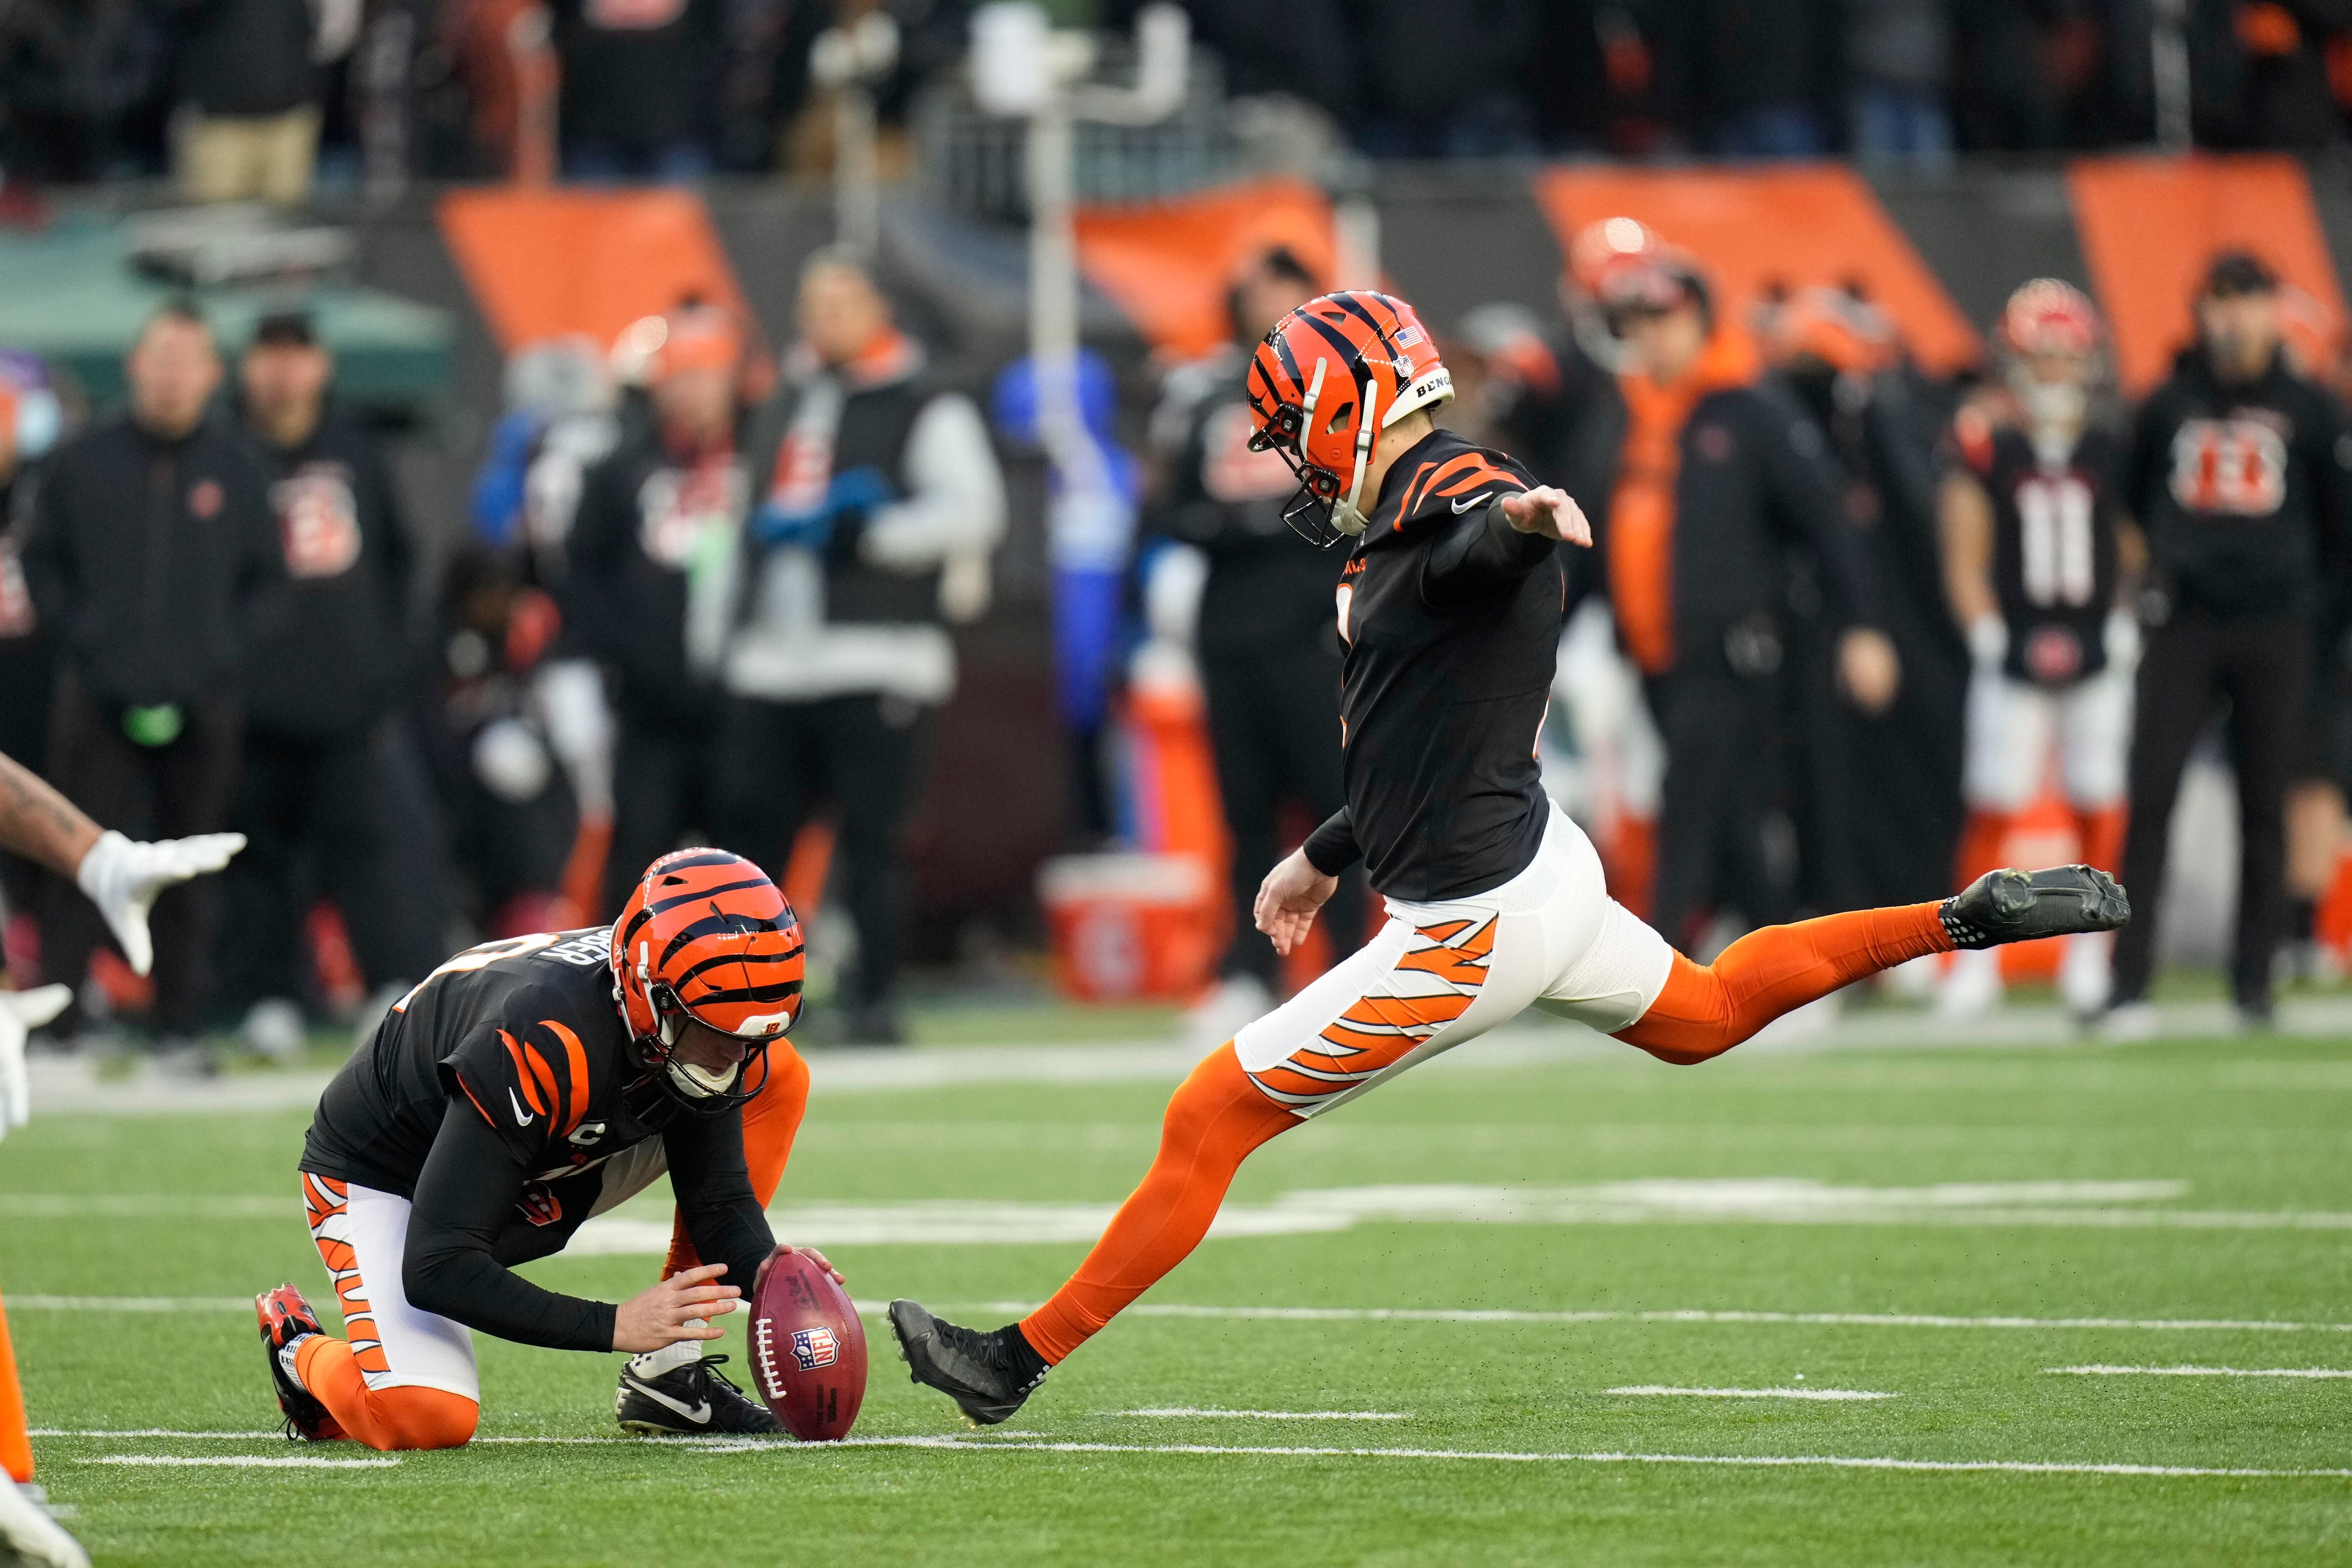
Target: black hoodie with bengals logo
pixel 155 562
pixel 494 1096
pixel 1451 622
pixel 2245 491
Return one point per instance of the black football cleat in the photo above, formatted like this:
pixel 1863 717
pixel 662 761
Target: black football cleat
pixel 692 1400
pixel 986 1375
pixel 286 1319
pixel 2019 906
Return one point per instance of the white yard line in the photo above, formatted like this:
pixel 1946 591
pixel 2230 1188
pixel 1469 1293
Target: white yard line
pixel 1820 1394
pixel 1018 1445
pixel 245 1461
pixel 2312 1372
pixel 1191 1411
pixel 1472 1315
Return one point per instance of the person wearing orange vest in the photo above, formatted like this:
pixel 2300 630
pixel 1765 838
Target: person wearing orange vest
pixel 1725 491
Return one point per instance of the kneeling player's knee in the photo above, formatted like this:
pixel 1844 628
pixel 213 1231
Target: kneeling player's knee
pixel 427 1418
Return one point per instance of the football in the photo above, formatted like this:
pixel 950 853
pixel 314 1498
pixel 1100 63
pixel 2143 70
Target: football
pixel 808 1350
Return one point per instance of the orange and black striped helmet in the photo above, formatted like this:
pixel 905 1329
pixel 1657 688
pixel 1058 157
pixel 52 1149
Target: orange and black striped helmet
pixel 1331 375
pixel 706 935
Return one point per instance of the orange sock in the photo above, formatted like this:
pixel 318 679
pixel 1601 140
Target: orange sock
pixel 1703 1013
pixel 772 1119
pixel 382 1418
pixel 2101 830
pixel 16 1447
pixel 1980 844
pixel 1215 1119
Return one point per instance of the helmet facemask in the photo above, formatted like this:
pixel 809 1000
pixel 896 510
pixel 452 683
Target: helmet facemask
pixel 698 1089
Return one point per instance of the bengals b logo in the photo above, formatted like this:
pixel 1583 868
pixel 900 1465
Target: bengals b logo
pixel 2234 467
pixel 318 520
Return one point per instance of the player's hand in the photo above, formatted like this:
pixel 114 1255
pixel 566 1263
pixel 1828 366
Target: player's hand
pixel 123 877
pixel 1869 668
pixel 1288 898
pixel 22 1012
pixel 1548 511
pixel 811 1253
pixel 676 1309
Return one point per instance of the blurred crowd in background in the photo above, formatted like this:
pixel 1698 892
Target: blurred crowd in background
pixel 247 96
pixel 1855 631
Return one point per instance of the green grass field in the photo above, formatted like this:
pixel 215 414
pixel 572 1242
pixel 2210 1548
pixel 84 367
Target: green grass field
pixel 1500 1246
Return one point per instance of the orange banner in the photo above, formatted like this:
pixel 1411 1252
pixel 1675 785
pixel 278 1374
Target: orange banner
pixel 542 263
pixel 2149 226
pixel 1795 225
pixel 1168 264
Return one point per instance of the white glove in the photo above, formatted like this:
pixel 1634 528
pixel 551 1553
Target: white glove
pixel 2122 640
pixel 123 878
pixel 22 1012
pixel 1988 641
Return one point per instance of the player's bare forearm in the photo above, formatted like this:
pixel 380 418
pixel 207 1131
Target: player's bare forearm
pixel 38 823
pixel 1966 529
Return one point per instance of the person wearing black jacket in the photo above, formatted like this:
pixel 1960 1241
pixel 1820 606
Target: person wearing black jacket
pixel 153 555
pixel 249 81
pixel 2241 478
pixel 1725 491
pixel 332 797
pixel 1267 634
pixel 641 87
pixel 659 520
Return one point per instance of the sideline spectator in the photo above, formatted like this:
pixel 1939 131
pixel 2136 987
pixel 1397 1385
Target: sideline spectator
pixel 881 505
pixel 1267 634
pixel 2239 477
pixel 660 524
pixel 248 95
pixel 1722 479
pixel 332 798
pixel 641 87
pixel 1896 55
pixel 152 553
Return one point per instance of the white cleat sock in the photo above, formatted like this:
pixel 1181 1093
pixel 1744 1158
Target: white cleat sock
pixel 670 1357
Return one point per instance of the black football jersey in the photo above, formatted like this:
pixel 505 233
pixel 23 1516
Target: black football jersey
pixel 1442 693
pixel 2054 555
pixel 527 1030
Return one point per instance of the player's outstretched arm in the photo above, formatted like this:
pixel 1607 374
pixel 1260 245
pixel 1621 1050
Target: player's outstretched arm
pixel 465 1197
pixel 122 877
pixel 1550 511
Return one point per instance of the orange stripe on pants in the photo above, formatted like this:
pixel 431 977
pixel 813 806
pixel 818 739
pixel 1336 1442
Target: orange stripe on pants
pixel 383 1418
pixel 772 1119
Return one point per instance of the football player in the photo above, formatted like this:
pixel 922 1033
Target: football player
pixel 123 878
pixel 524 1087
pixel 1449 605
pixel 2034 540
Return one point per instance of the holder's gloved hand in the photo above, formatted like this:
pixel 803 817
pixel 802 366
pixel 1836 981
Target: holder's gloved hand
pixel 22 1012
pixel 123 876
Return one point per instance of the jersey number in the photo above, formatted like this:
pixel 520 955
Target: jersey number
pixel 2060 556
pixel 481 957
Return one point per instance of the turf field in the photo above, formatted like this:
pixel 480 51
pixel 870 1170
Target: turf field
pixel 1461 1321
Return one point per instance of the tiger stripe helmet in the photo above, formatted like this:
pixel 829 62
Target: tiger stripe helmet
pixel 1331 375
pixel 2050 316
pixel 705 935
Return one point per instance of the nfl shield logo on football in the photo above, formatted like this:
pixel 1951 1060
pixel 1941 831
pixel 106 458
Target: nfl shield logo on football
pixel 814 1348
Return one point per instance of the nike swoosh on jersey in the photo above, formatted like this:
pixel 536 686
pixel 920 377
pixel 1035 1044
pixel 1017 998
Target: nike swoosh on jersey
pixel 697 1414
pixel 1464 503
pixel 520 1120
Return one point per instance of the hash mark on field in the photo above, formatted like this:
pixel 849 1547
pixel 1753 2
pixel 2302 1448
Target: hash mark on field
pixel 2101 1371
pixel 245 1461
pixel 1826 1393
pixel 1187 1410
